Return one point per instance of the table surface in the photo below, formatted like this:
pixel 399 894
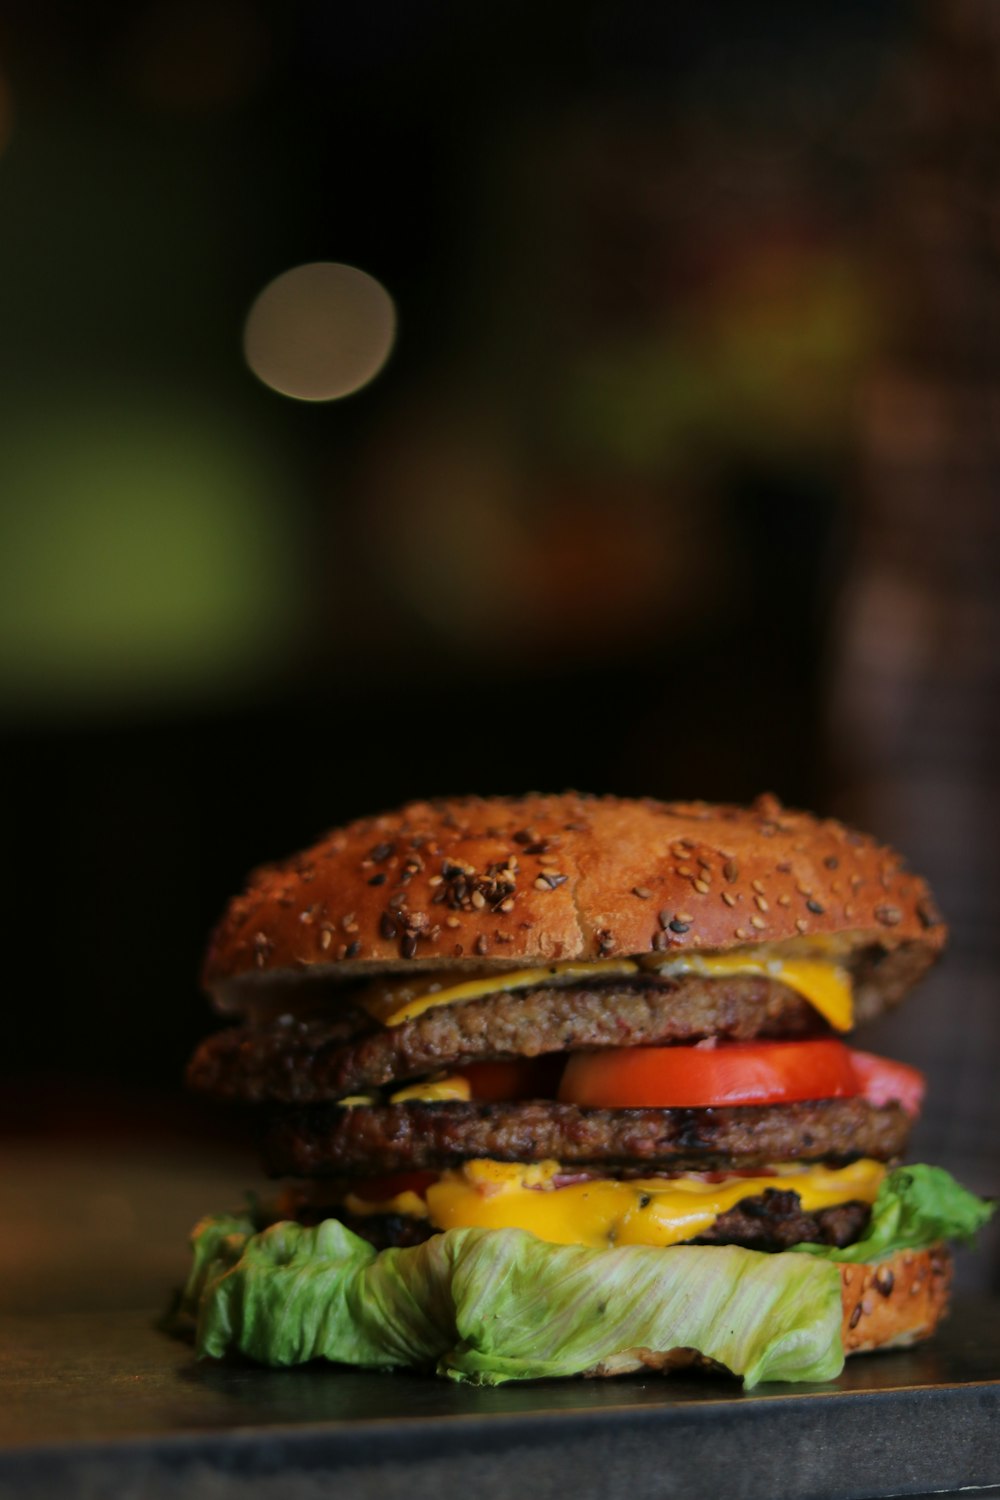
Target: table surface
pixel 103 1393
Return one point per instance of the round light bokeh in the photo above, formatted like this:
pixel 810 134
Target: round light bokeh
pixel 320 331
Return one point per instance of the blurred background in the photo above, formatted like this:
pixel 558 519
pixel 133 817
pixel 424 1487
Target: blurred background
pixel 409 397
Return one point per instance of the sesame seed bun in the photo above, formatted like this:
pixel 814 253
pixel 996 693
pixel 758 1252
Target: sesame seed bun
pixel 895 1302
pixel 475 882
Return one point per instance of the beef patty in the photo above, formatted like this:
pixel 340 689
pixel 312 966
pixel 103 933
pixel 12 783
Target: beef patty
pixel 308 1061
pixel 369 1140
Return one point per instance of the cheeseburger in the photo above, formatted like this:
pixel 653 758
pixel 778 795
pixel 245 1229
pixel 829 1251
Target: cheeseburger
pixel 563 1084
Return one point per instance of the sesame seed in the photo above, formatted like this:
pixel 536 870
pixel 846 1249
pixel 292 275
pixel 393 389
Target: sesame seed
pixel 408 946
pixel 352 950
pixel 452 922
pixel 378 879
pixel 642 891
pixel 729 898
pixel 701 886
pixel 507 905
pixel 755 885
pixel 380 852
pixel 758 922
pixel 325 938
pixel 815 907
pixel 760 903
pixel 889 916
pixel 785 900
pixel 686 871
pixel 801 924
pixel 482 945
pixel 664 917
pixel 478 900
pixel 660 942
pixel 387 926
pixel 731 870
pixel 740 932
pixel 434 880
pixel 684 916
pixel 679 926
pixel 884 1280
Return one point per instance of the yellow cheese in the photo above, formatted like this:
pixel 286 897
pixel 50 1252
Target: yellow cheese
pixel 394 1002
pixel 644 1211
pixel 826 985
pixel 454 1086
pixel 409 1204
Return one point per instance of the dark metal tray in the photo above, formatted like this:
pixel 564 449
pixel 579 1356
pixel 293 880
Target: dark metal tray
pixel 104 1404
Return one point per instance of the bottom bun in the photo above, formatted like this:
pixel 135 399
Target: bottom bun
pixel 895 1302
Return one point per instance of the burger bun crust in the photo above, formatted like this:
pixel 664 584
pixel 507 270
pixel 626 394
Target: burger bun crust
pixel 478 882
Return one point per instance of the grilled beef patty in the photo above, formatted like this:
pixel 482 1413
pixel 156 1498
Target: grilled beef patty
pixel 309 1061
pixel 369 1140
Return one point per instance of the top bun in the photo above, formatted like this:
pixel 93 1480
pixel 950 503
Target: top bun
pixel 481 881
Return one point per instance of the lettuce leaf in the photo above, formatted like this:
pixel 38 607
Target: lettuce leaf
pixel 915 1207
pixel 497 1305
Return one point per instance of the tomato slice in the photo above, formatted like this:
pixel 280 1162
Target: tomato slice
pixel 883 1081
pixel 521 1078
pixel 700 1077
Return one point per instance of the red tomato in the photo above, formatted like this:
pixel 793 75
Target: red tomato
pixel 380 1189
pixel 700 1077
pixel 522 1078
pixel 881 1080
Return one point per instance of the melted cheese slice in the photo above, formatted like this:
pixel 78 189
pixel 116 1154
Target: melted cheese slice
pixel 394 1002
pixel 409 1204
pixel 645 1211
pixel 825 984
pixel 433 1090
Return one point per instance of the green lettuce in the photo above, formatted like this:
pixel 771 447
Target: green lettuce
pixel 916 1206
pixel 495 1305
